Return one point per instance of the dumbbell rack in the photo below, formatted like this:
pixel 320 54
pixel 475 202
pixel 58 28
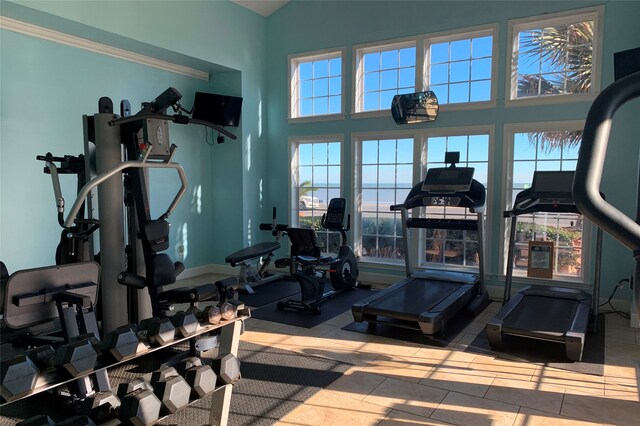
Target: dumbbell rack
pixel 221 399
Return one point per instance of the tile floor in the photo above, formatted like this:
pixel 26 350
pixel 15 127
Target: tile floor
pixel 398 383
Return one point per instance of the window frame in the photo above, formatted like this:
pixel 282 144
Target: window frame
pixel 463 34
pixel 510 130
pixel 358 70
pixel 293 61
pixel 294 142
pixel 515 26
pixel 418 245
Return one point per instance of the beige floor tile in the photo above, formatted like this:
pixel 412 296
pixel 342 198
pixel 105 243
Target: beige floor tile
pixel 438 355
pixel 618 366
pixel 463 409
pixel 262 336
pixel 497 367
pixel 356 384
pixel 464 341
pixel 385 346
pixel 622 388
pixel 530 417
pixel 458 380
pixel 401 418
pixel 598 409
pixel 316 331
pixel 547 398
pixel 621 335
pixel 343 353
pixel 405 396
pixel 260 325
pixel 346 338
pixel 623 349
pixel 397 367
pixel 335 409
pixel 572 382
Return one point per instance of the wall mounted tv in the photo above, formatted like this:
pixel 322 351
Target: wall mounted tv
pixel 217 109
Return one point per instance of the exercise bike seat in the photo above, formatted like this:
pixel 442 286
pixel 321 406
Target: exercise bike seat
pixel 256 250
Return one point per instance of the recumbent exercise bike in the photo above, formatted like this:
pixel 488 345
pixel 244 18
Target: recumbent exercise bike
pixel 309 267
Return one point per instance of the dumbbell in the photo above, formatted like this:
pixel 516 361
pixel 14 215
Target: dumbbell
pixel 101 406
pixel 185 323
pixel 19 375
pixel 159 331
pixel 199 376
pixel 228 311
pixel 171 389
pixel 123 343
pixel 139 406
pixel 39 420
pixel 79 356
pixel 227 369
pixel 209 315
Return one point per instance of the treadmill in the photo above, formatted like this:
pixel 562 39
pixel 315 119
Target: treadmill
pixel 543 312
pixel 427 300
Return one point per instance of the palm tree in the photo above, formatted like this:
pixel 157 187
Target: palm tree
pixel 306 188
pixel 568 49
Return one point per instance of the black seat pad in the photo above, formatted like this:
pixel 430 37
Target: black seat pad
pixel 188 295
pixel 252 252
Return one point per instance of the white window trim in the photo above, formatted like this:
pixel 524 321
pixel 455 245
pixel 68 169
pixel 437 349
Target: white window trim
pixel 510 129
pixel 359 51
pixel 463 34
pixel 419 136
pixel 294 142
pixel 293 61
pixel 596 14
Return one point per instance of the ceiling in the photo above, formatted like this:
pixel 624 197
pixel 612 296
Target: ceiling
pixel 263 7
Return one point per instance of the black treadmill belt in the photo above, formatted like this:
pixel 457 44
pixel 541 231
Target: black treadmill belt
pixel 416 297
pixel 542 314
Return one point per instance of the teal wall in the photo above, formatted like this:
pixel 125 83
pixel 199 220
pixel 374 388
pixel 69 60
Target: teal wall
pixel 46 87
pixel 325 25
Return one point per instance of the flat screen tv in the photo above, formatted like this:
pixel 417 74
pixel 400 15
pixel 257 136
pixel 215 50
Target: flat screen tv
pixel 217 109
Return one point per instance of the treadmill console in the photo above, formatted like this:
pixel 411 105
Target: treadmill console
pixel 448 180
pixel 551 188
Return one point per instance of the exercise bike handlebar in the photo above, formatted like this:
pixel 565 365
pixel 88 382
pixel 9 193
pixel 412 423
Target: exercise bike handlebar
pixel 586 183
pixel 176 118
pixel 86 189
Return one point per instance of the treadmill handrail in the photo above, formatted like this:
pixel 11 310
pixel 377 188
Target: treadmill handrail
pixel 595 138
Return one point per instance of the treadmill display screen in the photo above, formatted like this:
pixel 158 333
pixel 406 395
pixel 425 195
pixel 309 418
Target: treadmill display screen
pixel 448 180
pixel 552 182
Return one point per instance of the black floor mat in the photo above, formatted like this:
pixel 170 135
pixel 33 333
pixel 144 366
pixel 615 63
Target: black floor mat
pixel 548 353
pixel 270 292
pixel 330 308
pixel 453 328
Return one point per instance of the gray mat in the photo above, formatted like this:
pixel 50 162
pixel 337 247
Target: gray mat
pixel 270 292
pixel 549 354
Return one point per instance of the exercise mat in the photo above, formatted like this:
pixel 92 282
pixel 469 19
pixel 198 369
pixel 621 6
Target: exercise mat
pixel 546 353
pixel 270 292
pixel 329 308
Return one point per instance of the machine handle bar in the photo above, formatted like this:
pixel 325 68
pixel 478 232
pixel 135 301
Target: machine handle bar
pixel 84 192
pixel 593 149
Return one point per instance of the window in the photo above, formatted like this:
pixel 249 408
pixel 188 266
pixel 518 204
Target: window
pixel 459 67
pixel 546 150
pixel 451 247
pixel 383 72
pixel 385 178
pixel 555 55
pixel 315 179
pixel 316 84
